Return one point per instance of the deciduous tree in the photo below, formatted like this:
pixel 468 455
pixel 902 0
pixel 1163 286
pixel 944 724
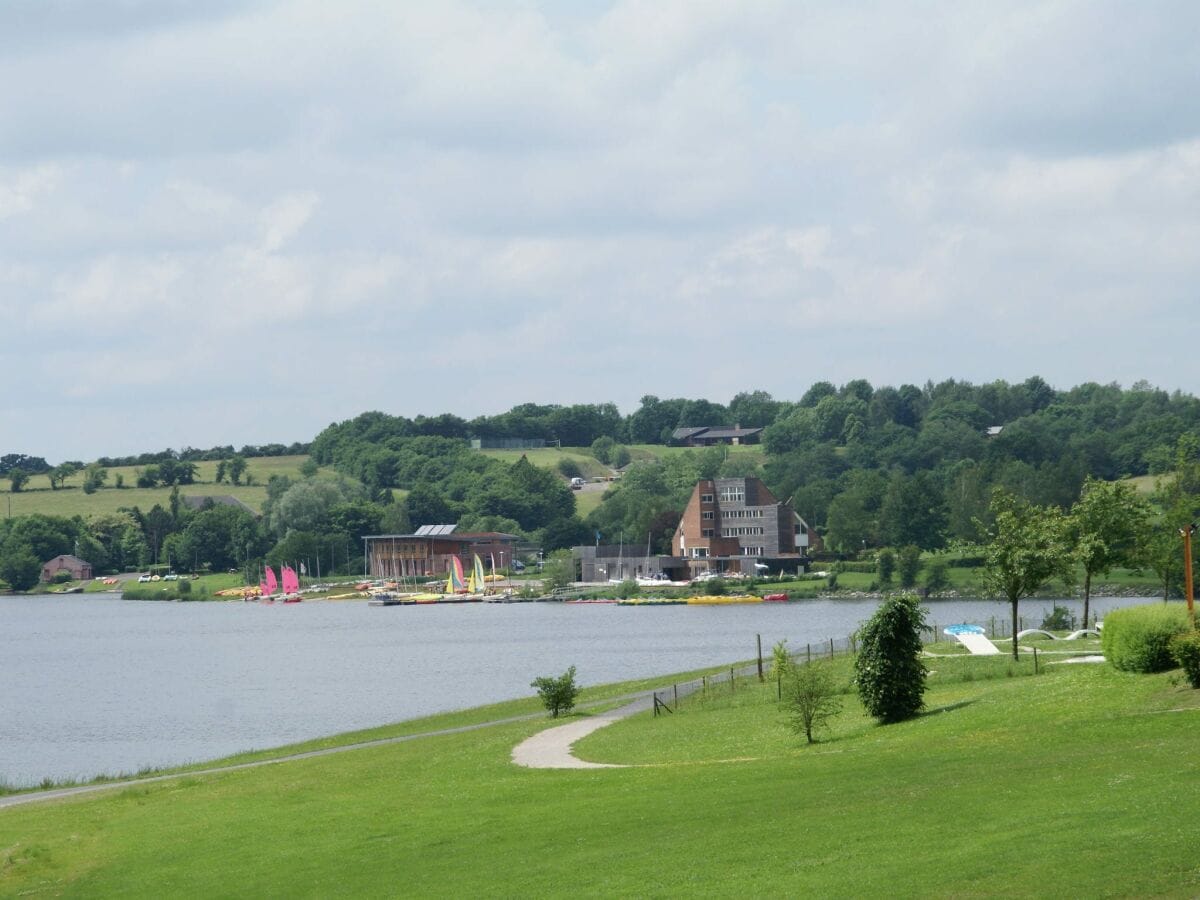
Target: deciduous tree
pixel 1104 525
pixel 1027 546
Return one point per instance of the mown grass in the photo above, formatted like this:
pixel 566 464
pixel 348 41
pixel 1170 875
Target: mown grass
pixel 37 497
pixel 1071 783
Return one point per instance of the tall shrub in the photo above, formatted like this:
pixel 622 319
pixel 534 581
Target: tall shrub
pixel 1138 638
pixel 1185 650
pixel 888 669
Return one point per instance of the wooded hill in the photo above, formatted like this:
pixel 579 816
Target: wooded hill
pixel 867 466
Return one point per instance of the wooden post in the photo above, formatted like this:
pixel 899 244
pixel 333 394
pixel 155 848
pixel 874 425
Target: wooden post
pixel 831 648
pixel 676 687
pixel 808 651
pixel 1035 665
pixel 779 686
pixel 656 704
pixel 732 686
pixel 704 685
pixel 758 637
pixel 1186 531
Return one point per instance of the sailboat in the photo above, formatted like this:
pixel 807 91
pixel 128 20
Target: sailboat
pixel 478 583
pixel 269 586
pixel 291 585
pixel 454 578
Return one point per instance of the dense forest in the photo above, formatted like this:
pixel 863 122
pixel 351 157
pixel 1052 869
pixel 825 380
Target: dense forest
pixel 867 466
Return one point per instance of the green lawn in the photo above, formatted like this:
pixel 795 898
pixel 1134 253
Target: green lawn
pixel 550 457
pixel 37 497
pixel 1071 783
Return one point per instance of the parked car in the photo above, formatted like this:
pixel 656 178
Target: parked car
pixel 577 484
pixel 517 566
pixel 171 577
pixel 142 579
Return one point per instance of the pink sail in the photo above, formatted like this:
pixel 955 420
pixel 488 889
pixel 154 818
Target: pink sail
pixel 291 584
pixel 272 585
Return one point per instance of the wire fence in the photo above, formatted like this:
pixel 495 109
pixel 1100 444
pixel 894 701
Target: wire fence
pixel 725 683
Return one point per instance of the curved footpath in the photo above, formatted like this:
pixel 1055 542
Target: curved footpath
pixel 548 749
pixel 640 700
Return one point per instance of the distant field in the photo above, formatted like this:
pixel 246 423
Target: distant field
pixel 1145 484
pixel 37 497
pixel 549 458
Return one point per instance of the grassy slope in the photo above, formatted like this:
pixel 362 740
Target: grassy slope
pixel 1072 783
pixel 71 500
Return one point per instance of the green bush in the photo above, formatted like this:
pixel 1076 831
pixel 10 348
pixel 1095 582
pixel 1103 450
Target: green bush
pixel 558 694
pixel 908 565
pixel 568 468
pixel 888 669
pixel 62 576
pixel 936 578
pixel 1137 638
pixel 1060 619
pixel 885 562
pixel 1185 650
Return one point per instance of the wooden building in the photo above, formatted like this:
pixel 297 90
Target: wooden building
pixel 429 551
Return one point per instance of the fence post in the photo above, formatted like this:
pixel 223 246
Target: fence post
pixel 779 686
pixel 704 686
pixel 676 687
pixel 732 686
pixel 656 704
pixel 808 651
pixel 1035 665
pixel 831 648
pixel 760 669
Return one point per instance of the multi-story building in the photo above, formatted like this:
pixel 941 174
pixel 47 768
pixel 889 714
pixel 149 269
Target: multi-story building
pixel 737 525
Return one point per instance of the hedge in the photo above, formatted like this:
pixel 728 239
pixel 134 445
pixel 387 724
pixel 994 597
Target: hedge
pixel 1138 638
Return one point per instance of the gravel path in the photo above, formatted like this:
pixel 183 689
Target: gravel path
pixel 551 749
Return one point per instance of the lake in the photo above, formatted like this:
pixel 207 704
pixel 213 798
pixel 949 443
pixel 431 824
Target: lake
pixel 98 685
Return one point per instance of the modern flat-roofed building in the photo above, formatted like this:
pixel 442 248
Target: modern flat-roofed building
pixel 710 436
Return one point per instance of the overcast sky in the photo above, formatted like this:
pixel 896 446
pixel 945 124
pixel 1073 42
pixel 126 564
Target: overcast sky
pixel 235 222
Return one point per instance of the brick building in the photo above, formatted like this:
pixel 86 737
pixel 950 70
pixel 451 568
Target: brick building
pixel 738 525
pixel 80 570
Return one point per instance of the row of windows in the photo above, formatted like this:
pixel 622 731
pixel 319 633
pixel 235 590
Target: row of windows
pixel 699 552
pixel 706 498
pixel 707 532
pixel 741 514
pixel 741 530
pixel 732 494
pixel 752 551
pixel 707 514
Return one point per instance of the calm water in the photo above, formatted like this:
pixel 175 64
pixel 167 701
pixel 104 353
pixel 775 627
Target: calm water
pixel 100 685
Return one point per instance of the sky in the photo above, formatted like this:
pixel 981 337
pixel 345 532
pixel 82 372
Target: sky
pixel 227 222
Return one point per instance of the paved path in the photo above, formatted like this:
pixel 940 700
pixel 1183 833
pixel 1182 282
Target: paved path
pixel 551 749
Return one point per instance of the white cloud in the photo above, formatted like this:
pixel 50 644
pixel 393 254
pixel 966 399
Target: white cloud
pixel 598 193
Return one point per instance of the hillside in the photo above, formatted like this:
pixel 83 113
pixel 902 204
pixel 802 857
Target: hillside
pixel 70 500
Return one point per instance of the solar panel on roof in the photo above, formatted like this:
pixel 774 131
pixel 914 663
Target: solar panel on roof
pixel 434 530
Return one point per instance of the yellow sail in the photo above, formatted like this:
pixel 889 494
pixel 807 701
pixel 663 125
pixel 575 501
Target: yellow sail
pixel 478 581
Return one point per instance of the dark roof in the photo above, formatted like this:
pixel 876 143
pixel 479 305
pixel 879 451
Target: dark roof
pixel 713 431
pixel 67 558
pixel 723 432
pixel 476 537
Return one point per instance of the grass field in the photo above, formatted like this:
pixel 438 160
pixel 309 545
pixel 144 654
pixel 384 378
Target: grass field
pixel 37 497
pixel 1074 782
